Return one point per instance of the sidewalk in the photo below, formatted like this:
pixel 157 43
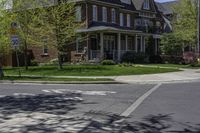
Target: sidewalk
pixel 183 76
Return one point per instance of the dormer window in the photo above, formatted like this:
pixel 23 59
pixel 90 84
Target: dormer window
pixel 146 4
pixel 94 13
pixel 104 16
pixel 121 19
pixel 113 15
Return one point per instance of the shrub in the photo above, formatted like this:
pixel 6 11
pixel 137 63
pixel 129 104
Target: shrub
pixel 155 59
pixel 108 62
pixel 34 63
pixel 132 57
pixel 54 61
pixel 172 59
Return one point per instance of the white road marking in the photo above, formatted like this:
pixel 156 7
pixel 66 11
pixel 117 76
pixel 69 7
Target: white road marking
pixel 139 101
pixel 23 94
pixel 46 91
pixel 98 93
pixel 57 91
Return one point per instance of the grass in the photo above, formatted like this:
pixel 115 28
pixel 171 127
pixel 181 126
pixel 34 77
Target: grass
pixel 174 66
pixel 16 78
pixel 88 70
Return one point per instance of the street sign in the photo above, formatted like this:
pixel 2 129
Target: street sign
pixel 15 40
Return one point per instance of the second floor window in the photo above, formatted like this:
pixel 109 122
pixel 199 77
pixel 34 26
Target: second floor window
pixel 121 19
pixel 78 13
pixel 146 4
pixel 128 20
pixel 94 12
pixel 113 16
pixel 104 14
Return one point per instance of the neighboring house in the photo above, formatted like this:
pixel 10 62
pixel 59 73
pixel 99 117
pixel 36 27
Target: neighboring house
pixel 167 11
pixel 112 28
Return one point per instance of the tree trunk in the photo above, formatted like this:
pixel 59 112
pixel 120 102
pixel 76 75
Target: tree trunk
pixel 25 55
pixel 1 70
pixel 60 61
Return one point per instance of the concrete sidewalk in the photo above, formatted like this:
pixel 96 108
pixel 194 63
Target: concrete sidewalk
pixel 183 76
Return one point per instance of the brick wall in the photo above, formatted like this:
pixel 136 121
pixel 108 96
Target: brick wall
pixel 40 57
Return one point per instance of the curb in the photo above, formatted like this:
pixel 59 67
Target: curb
pixel 59 82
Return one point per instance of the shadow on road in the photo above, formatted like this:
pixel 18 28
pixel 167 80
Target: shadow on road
pixel 57 114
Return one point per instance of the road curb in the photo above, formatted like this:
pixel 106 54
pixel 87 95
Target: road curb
pixel 59 82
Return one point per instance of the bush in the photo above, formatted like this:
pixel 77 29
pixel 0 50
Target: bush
pixel 132 57
pixel 108 62
pixel 155 59
pixel 172 59
pixel 34 63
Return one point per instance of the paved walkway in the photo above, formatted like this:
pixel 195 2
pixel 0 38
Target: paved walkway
pixel 185 75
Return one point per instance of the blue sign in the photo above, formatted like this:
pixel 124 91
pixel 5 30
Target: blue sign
pixel 15 40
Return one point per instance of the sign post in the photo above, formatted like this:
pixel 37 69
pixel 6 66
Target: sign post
pixel 15 42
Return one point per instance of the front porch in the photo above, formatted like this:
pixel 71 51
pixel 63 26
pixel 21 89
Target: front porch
pixel 113 44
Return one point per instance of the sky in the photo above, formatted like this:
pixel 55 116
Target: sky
pixel 163 0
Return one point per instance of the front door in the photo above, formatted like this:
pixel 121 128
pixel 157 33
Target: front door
pixel 109 47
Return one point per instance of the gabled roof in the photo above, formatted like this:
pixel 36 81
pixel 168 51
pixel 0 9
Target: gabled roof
pixel 167 7
pixel 139 4
pixel 120 2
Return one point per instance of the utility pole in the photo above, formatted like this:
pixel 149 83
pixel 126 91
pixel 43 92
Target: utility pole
pixel 198 29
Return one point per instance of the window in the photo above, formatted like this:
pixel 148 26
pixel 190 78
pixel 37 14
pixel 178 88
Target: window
pixel 104 16
pixel 94 11
pixel 121 19
pixel 128 20
pixel 45 50
pixel 113 16
pixel 146 4
pixel 78 13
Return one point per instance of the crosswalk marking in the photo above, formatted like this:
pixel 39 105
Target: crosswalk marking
pixel 92 93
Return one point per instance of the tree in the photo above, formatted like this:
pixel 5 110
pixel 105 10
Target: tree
pixel 184 27
pixel 59 26
pixel 27 14
pixel 5 21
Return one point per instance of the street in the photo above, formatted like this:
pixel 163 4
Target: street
pixel 108 108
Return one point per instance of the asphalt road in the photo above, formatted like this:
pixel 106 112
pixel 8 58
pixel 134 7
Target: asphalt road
pixel 26 108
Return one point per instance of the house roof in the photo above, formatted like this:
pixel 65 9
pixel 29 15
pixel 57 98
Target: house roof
pixel 125 5
pixel 167 7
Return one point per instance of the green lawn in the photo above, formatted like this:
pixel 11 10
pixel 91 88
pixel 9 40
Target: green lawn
pixel 15 78
pixel 87 70
pixel 174 66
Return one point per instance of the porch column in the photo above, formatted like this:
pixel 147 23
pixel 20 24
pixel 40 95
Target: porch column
pixel 144 48
pixel 156 46
pixel 119 46
pixel 136 43
pixel 101 45
pixel 126 38
pixel 141 44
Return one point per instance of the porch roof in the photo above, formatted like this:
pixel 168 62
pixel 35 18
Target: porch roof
pixel 107 29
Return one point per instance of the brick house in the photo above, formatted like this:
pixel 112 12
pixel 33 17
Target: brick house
pixel 112 28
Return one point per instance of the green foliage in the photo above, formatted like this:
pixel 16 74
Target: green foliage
pixel 171 45
pixel 108 62
pixel 34 63
pixel 184 28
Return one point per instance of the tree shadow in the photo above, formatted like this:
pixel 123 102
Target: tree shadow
pixel 57 114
